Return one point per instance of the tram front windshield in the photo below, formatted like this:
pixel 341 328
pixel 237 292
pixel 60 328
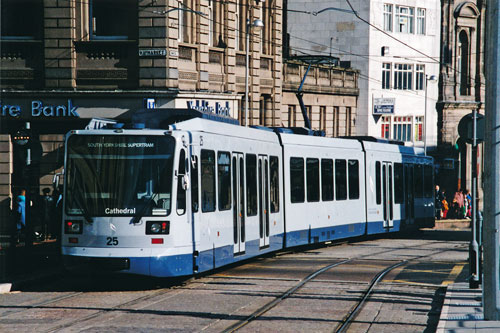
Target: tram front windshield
pixel 114 175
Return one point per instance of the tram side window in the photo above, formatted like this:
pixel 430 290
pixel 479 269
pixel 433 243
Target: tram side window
pixel 207 180
pixel 181 192
pixel 327 180
pixel 341 179
pixel 428 190
pixel 251 180
pixel 418 181
pixel 275 184
pixel 296 179
pixel 194 185
pixel 378 183
pixel 398 183
pixel 353 179
pixel 312 170
pixel 224 180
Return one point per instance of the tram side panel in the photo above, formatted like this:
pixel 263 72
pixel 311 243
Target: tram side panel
pixel 324 192
pixel 240 214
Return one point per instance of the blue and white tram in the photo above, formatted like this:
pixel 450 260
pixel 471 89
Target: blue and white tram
pixel 202 194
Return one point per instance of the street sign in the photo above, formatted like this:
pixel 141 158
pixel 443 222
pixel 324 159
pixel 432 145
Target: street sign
pixel 466 130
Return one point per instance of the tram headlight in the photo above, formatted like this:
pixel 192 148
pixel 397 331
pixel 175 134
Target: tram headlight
pixel 157 227
pixel 73 227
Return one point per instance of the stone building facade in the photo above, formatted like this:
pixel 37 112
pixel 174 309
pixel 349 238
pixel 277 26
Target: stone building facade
pixel 65 62
pixel 461 89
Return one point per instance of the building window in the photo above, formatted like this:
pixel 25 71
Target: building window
pixel 309 115
pixel 29 12
pixel 419 77
pixel 403 76
pixel 463 63
pixel 106 19
pixel 386 127
pixel 336 121
pixel 421 21
pixel 402 128
pixel 387 17
pixel 242 25
pixel 292 109
pixel 188 21
pixel 419 126
pixel 386 76
pixel 348 120
pixel 267 30
pixel 322 118
pixel 217 21
pixel 404 19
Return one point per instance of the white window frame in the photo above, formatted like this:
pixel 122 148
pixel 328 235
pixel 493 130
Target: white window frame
pixel 421 21
pixel 402 128
pixel 419 77
pixel 388 26
pixel 386 75
pixel 403 77
pixel 405 19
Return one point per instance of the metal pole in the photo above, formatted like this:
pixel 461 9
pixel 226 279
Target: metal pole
pixel 425 117
pixel 474 248
pixel 491 283
pixel 246 71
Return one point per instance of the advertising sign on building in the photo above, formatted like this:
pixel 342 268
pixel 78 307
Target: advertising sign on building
pixel 383 105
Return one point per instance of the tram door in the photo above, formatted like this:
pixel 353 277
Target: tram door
pixel 238 203
pixel 410 195
pixel 263 174
pixel 387 194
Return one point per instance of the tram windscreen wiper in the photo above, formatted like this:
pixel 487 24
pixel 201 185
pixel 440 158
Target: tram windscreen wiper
pixel 137 217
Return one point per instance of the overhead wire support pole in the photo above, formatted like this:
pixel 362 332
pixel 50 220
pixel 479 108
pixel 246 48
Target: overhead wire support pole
pixel 491 280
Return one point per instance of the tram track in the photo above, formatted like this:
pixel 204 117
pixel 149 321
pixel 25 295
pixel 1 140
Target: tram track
pixel 356 308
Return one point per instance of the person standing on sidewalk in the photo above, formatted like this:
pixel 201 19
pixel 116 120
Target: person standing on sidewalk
pixel 20 215
pixel 438 202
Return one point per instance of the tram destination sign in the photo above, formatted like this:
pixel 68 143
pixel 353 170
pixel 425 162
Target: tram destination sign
pixel 383 105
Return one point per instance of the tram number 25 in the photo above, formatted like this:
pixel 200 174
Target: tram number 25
pixel 112 241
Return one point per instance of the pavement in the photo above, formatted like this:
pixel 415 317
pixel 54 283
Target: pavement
pixel 462 309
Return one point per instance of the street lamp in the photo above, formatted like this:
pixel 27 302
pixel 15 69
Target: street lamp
pixel 433 79
pixel 255 24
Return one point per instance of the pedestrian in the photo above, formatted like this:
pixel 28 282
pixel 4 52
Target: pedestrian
pixel 438 202
pixel 469 208
pixel 47 213
pixel 458 204
pixel 445 208
pixel 20 214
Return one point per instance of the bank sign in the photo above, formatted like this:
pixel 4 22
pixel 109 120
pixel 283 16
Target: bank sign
pixel 383 105
pixel 40 110
pixel 203 106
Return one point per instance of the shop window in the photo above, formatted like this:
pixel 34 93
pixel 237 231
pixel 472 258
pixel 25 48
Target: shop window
pixel 107 19
pixel 21 19
pixel 402 128
pixel 386 127
pixel 419 126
